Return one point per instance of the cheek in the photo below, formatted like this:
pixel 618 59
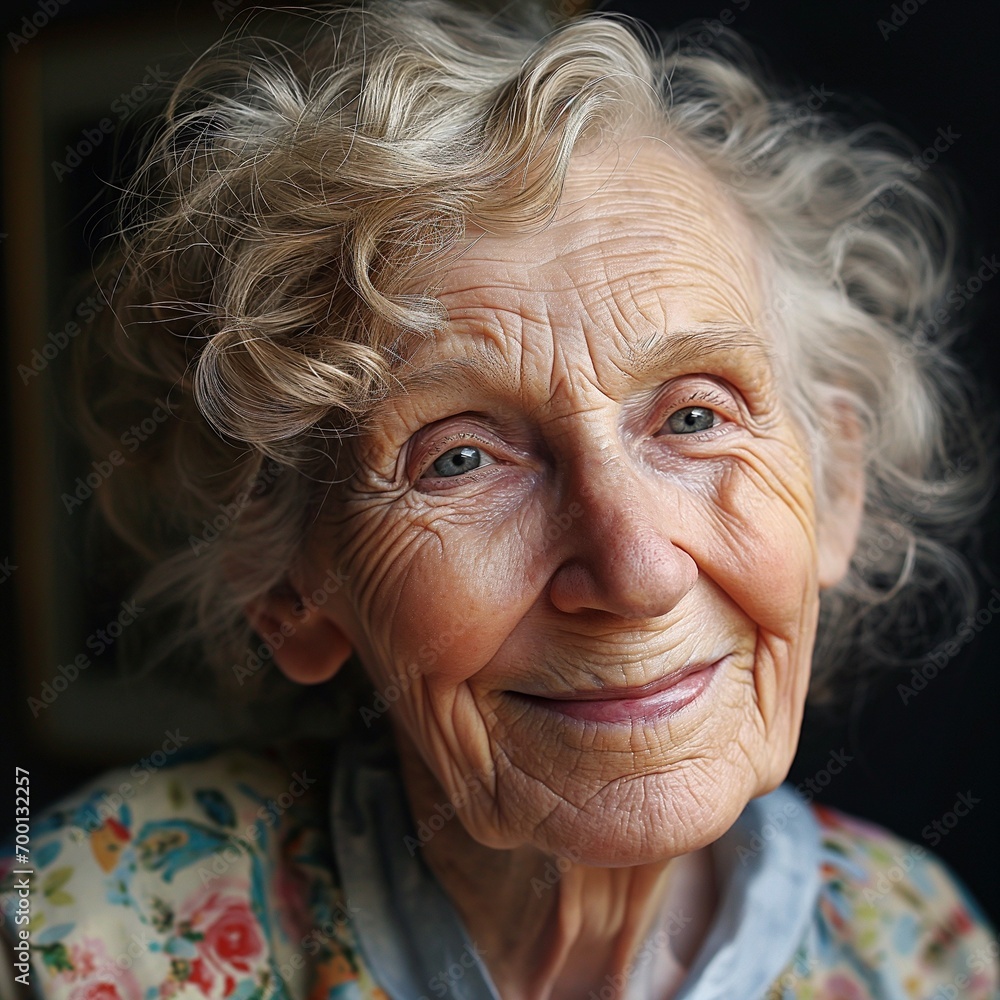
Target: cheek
pixel 764 549
pixel 442 599
pixel 762 553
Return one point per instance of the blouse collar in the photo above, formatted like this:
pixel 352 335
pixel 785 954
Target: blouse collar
pixel 413 940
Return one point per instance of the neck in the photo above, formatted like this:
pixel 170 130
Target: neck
pixel 551 929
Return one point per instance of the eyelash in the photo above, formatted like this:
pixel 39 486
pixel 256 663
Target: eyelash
pixel 705 396
pixel 718 402
pixel 454 441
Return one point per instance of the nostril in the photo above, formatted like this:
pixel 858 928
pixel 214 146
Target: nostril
pixel 639 577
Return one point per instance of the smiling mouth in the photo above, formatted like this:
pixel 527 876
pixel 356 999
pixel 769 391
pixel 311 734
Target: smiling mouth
pixel 644 702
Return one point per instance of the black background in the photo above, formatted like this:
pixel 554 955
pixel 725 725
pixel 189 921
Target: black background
pixel 939 70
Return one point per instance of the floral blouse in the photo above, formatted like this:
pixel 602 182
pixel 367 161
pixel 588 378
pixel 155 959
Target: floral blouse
pixel 215 876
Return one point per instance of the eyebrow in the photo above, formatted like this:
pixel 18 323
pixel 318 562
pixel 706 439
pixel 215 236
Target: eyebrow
pixel 483 371
pixel 658 353
pixel 683 348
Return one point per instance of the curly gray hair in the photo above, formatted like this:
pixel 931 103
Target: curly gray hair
pixel 295 190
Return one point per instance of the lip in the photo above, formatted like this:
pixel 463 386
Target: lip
pixel 644 702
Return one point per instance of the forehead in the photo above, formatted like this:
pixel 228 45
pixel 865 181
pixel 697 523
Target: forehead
pixel 647 270
pixel 644 236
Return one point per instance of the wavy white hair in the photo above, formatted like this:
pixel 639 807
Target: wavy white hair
pixel 295 189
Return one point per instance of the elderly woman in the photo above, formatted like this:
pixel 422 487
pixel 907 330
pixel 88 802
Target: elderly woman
pixel 564 402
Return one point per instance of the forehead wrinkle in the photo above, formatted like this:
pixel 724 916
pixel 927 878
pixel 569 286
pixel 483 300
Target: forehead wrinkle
pixel 488 366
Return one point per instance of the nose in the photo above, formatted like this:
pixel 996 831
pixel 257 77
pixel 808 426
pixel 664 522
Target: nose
pixel 624 559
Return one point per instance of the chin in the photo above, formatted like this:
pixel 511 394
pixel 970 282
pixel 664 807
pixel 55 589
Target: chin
pixel 640 824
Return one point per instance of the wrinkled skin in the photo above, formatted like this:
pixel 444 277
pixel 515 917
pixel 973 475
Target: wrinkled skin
pixel 605 535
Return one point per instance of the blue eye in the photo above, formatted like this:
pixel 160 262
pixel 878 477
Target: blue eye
pixel 691 419
pixel 455 461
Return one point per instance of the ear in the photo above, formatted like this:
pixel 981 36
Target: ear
pixel 840 519
pixel 308 647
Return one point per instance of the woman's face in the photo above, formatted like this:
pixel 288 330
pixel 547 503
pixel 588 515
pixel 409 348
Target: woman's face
pixel 581 546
